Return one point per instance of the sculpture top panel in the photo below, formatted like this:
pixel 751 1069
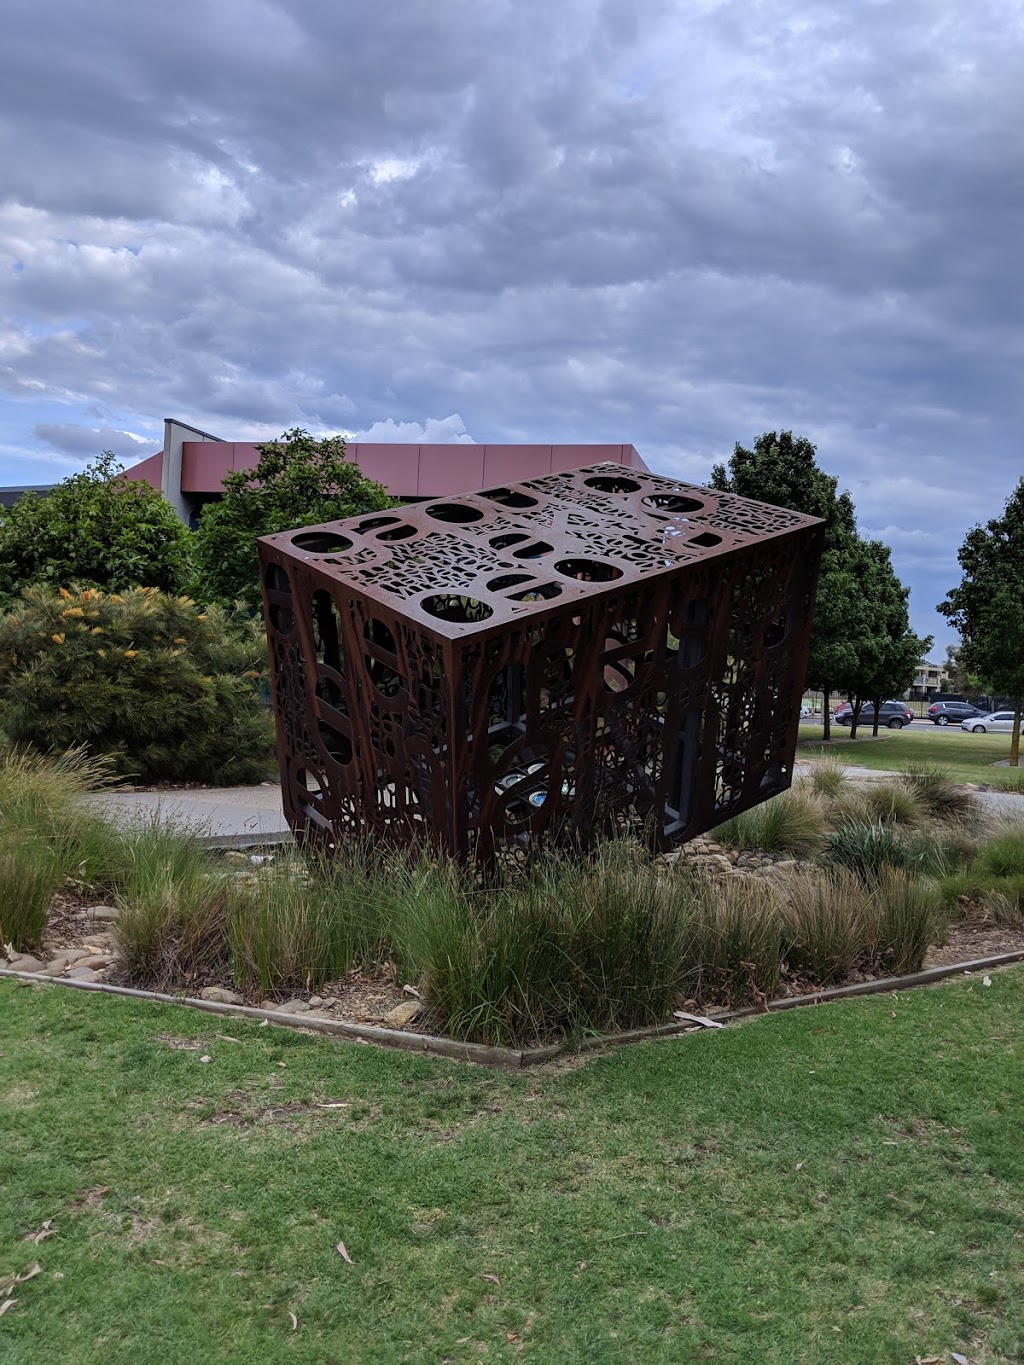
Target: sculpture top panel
pixel 462 565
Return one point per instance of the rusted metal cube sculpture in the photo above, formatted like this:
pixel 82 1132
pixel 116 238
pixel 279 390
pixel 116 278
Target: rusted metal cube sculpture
pixel 584 653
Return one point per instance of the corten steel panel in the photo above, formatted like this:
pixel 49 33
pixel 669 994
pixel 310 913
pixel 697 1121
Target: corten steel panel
pixel 595 650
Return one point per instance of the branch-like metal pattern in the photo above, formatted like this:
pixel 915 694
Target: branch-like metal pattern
pixel 592 651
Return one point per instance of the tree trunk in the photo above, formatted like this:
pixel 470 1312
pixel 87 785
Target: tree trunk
pixel 1015 737
pixel 826 712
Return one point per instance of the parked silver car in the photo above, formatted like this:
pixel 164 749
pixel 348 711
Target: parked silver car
pixel 995 720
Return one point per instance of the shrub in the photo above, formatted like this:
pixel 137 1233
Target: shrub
pixel 791 822
pixel 902 918
pixel 823 923
pixel 298 481
pixel 94 528
pixel 164 690
pixel 733 952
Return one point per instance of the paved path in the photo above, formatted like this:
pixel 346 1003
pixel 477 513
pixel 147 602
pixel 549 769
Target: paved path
pixel 232 816
pixel 237 817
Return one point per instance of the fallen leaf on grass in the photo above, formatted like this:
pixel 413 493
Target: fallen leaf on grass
pixel 295 1321
pixel 493 1279
pixel 342 1251
pixel 511 1336
pixel 799 1165
pixel 206 1058
pixel 30 1274
pixel 7 1303
pixel 47 1230
pixel 225 1038
pixel 962 1360
pixel 339 1104
pixel 411 990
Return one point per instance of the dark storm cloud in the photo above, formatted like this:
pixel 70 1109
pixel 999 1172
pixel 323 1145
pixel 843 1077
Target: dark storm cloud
pixel 73 439
pixel 676 225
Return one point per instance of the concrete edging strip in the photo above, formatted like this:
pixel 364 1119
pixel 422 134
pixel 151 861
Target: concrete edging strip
pixel 515 1058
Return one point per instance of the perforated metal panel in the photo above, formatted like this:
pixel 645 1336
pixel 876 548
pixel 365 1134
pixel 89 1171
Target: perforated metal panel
pixel 586 652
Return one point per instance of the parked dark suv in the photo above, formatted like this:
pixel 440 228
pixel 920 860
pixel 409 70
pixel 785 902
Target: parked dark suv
pixel 894 714
pixel 953 712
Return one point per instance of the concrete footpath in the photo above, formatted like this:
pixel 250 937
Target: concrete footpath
pixel 244 817
pixel 232 817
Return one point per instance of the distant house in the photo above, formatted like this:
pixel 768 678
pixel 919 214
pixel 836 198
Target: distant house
pixel 190 468
pixel 928 681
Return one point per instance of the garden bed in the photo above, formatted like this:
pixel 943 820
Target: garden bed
pixel 830 886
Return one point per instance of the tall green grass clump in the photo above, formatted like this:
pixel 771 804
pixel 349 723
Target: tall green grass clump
pixel 296 925
pixel 865 848
pixel 1002 855
pixel 173 908
pixel 939 796
pixel 823 923
pixel 903 917
pixel 827 778
pixel 733 951
pixel 30 876
pixel 573 944
pixel 47 836
pixel 1004 902
pixel 791 822
pixel 893 803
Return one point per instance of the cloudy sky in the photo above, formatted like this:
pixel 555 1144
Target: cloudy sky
pixel 675 224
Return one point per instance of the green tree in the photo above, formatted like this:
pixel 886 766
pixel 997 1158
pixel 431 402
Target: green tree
pixel 298 481
pixel 782 470
pixel 95 528
pixel 987 608
pixel 968 684
pixel 888 651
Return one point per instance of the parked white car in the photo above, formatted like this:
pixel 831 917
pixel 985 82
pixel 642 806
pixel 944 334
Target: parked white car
pixel 995 720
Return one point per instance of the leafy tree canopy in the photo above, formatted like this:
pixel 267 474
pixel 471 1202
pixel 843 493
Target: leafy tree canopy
pixel 299 481
pixel 95 528
pixel 888 650
pixel 782 470
pixel 987 607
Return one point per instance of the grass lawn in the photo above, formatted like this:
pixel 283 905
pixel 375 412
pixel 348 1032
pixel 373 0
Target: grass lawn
pixel 840 1184
pixel 966 757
